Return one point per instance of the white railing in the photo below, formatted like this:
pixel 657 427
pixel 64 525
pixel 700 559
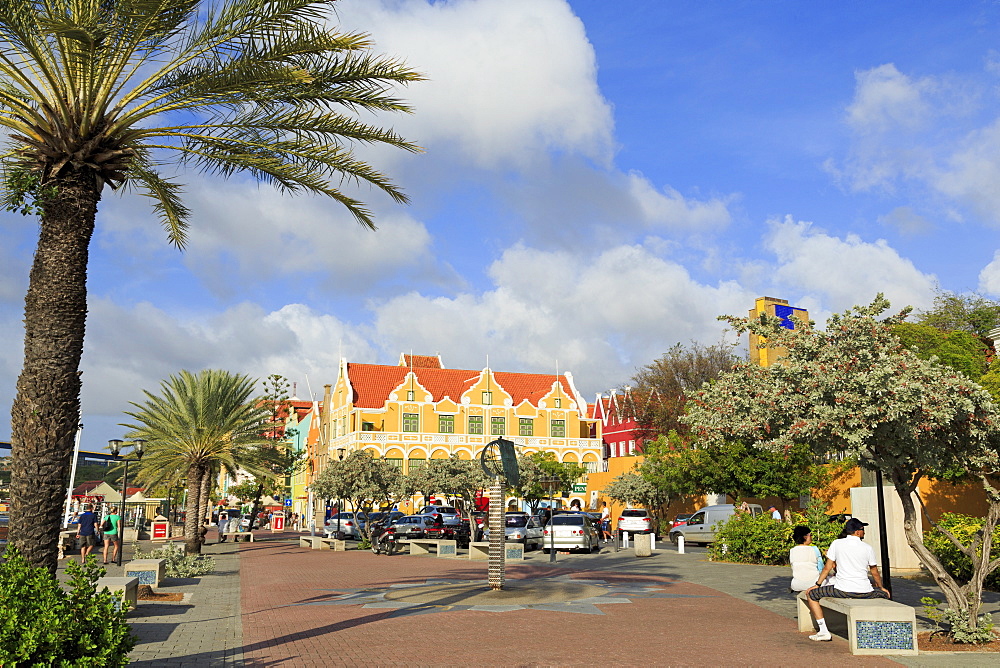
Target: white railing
pixel 364 438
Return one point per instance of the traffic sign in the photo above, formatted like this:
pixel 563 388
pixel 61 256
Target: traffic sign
pixel 288 502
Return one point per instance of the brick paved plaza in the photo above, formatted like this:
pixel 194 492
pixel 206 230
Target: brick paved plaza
pixel 272 603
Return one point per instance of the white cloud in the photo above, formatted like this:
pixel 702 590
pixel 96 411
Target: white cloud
pixel 671 209
pixel 844 271
pixel 885 99
pixel 598 316
pixel 507 79
pixel 971 174
pixel 131 349
pixel 989 277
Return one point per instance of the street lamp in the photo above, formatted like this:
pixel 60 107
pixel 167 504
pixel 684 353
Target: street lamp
pixel 551 483
pixel 115 445
pixel 340 509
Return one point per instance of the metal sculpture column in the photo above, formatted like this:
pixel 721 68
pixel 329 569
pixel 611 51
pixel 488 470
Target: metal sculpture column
pixel 499 462
pixel 497 562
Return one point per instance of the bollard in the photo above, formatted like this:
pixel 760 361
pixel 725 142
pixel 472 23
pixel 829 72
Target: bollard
pixel 625 539
pixel 680 544
pixel 652 542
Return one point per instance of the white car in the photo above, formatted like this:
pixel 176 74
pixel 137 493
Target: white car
pixel 635 520
pixel 349 524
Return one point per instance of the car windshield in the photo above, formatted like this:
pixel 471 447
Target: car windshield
pixel 633 513
pixel 567 520
pixel 517 520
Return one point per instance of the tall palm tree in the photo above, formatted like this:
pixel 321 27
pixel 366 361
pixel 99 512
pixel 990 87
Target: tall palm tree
pixel 97 93
pixel 200 423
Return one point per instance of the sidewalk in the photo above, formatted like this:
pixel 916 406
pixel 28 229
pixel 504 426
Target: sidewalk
pixel 271 603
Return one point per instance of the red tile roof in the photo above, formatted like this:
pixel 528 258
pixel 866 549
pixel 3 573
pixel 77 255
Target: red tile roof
pixel 373 382
pixel 421 361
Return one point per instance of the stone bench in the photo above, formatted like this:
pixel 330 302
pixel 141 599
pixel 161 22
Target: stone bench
pixel 236 535
pixel 127 588
pixel 481 550
pixel 321 543
pixel 67 543
pixel 443 548
pixel 874 625
pixel 148 571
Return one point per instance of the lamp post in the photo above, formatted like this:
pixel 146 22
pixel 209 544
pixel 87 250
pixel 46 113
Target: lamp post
pixel 115 445
pixel 340 458
pixel 550 483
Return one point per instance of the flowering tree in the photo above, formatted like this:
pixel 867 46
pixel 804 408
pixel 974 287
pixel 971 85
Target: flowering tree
pixel 463 478
pixel 363 480
pixel 855 389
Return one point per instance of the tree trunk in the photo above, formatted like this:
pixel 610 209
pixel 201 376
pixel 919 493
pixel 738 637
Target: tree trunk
pixel 203 512
pixel 46 409
pixel 192 542
pixel 953 594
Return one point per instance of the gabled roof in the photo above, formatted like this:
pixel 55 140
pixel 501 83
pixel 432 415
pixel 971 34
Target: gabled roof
pixel 85 488
pixel 373 382
pixel 420 361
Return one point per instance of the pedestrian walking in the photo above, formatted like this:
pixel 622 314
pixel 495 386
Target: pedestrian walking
pixel 223 520
pixel 111 527
pixel 86 531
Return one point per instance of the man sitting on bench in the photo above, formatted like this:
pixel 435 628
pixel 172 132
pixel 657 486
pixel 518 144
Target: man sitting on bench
pixel 854 560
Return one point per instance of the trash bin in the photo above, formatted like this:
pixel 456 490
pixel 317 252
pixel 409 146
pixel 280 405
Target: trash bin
pixel 643 545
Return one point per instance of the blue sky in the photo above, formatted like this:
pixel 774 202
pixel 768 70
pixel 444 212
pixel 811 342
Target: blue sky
pixel 599 182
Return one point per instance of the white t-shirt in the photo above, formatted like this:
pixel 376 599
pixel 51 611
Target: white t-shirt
pixel 776 515
pixel 605 513
pixel 807 562
pixel 853 557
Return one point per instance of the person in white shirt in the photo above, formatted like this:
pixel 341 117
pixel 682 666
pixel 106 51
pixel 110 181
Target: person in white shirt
pixel 775 513
pixel 805 560
pixel 854 561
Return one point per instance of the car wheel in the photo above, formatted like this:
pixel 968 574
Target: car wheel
pixel 673 538
pixel 545 550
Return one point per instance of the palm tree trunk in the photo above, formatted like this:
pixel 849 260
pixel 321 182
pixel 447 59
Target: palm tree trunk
pixel 192 543
pixel 46 410
pixel 206 486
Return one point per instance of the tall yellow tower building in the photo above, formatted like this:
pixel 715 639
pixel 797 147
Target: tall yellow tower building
pixel 780 309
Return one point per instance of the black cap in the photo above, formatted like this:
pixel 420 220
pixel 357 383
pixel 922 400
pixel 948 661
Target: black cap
pixel 854 524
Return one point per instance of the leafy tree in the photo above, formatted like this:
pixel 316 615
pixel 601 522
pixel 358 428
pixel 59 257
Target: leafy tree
pixel 198 424
pixel 961 350
pixel 452 477
pixel 120 93
pixel 363 480
pixel 855 389
pixel 536 467
pixel 662 387
pixel 970 313
pixel 279 460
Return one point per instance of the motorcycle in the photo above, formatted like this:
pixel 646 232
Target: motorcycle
pixel 383 539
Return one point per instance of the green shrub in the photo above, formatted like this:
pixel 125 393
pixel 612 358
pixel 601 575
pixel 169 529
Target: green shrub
pixel 746 539
pixel 177 563
pixel 43 624
pixel 956 563
pixel 959 629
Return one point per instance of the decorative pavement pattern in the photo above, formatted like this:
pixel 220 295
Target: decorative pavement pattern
pixel 383 597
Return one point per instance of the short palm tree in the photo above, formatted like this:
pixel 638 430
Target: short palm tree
pixel 117 93
pixel 199 424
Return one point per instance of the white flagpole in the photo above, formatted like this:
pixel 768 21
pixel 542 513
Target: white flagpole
pixel 72 475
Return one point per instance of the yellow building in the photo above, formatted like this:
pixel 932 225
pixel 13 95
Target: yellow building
pixel 778 308
pixel 419 410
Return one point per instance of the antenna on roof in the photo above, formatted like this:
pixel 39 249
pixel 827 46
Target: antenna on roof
pixel 312 397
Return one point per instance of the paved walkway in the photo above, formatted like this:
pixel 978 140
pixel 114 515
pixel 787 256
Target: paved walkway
pixel 271 603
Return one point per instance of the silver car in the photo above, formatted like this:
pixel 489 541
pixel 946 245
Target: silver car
pixel 348 524
pixel 520 528
pixel 571 531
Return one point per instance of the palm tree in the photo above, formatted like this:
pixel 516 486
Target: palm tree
pixel 199 424
pixel 97 93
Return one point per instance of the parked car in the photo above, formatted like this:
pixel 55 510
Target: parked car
pixel 449 514
pixel 349 524
pixel 571 531
pixel 520 528
pixel 681 520
pixel 413 526
pixel 700 527
pixel 245 523
pixel 635 520
pixel 389 517
pixel 456 532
